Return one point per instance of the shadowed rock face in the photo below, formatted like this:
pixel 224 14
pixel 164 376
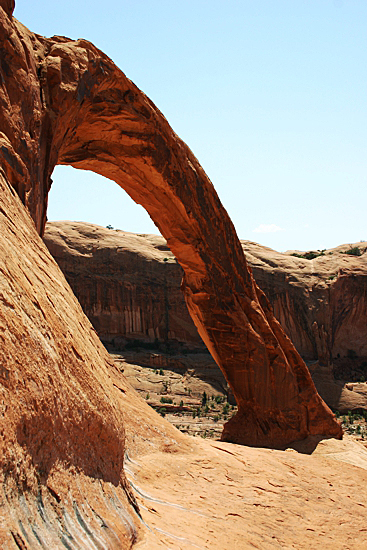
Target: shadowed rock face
pixel 65 102
pixel 128 286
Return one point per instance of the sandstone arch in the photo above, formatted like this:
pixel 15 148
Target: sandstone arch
pixel 80 109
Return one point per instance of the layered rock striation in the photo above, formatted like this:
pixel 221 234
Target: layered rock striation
pixel 321 303
pixel 65 102
pixel 128 285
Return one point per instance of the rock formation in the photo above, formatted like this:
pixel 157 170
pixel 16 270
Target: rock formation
pixel 61 419
pixel 128 287
pixel 65 102
pixel 321 303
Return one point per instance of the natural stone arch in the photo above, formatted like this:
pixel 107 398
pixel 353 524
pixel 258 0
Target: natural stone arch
pixel 89 115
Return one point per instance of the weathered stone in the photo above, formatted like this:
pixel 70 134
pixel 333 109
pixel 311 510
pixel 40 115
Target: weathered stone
pixel 61 421
pixel 118 276
pixel 320 303
pixel 128 285
pixel 66 102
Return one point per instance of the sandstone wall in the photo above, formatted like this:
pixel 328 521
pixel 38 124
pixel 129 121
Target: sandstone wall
pixel 128 285
pixel 66 102
pixel 320 303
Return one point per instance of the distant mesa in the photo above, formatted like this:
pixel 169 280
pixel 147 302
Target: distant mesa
pixel 133 299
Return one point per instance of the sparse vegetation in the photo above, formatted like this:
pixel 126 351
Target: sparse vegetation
pixel 205 411
pixel 166 400
pixel 353 251
pixel 219 399
pixel 310 255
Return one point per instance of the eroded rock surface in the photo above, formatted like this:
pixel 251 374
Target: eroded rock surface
pixel 66 102
pixel 320 303
pixel 127 285
pixel 61 424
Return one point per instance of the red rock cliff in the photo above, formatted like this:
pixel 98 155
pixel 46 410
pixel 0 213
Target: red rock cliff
pixel 65 102
pixel 320 303
pixel 128 286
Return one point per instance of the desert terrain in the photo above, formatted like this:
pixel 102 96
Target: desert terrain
pixel 88 456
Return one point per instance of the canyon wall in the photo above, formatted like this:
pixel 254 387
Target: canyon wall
pixel 321 303
pixel 65 102
pixel 128 285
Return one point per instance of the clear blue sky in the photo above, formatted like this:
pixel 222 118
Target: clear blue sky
pixel 269 94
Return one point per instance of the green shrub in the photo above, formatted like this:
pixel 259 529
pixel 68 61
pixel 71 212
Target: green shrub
pixel 353 251
pixel 166 400
pixel 310 255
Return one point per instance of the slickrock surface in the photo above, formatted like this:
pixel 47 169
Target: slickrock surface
pixel 228 496
pixel 66 102
pixel 196 493
pixel 61 424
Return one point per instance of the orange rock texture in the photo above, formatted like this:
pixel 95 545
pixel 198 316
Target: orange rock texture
pixel 65 102
pixel 61 425
pixel 320 303
pixel 127 285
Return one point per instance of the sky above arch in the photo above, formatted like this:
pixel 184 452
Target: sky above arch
pixel 269 95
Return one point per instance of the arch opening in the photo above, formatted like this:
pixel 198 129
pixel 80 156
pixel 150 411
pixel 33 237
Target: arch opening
pixel 85 196
pixel 94 118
